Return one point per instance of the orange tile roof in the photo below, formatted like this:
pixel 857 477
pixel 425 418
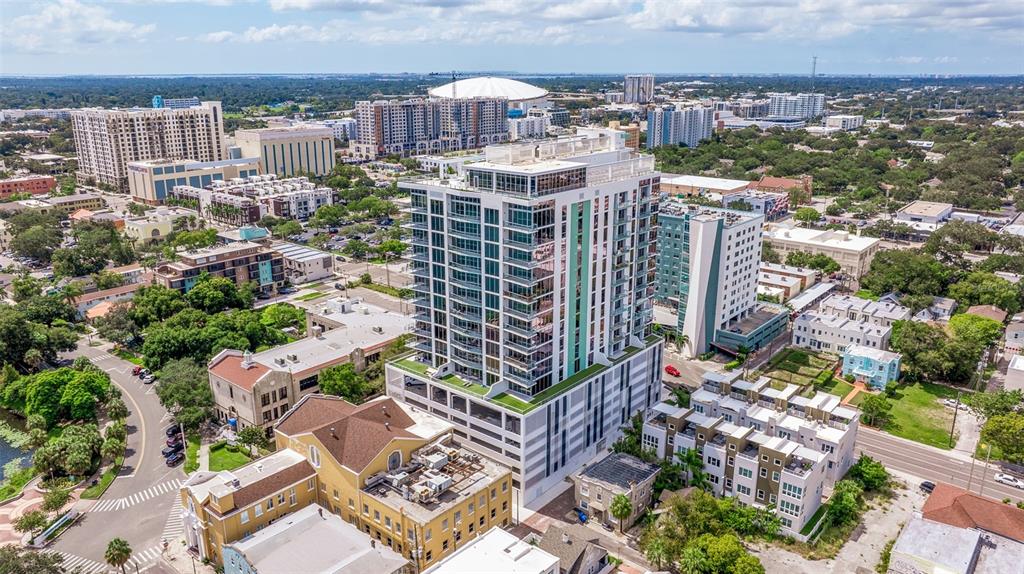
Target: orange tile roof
pixel 354 435
pixel 955 506
pixel 229 368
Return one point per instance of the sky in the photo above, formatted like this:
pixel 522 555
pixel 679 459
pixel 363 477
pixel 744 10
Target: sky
pixel 897 37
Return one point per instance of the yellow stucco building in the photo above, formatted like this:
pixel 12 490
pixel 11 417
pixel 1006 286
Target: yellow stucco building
pixel 392 471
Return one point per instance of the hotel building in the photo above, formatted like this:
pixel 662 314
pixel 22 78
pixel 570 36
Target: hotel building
pixel 533 276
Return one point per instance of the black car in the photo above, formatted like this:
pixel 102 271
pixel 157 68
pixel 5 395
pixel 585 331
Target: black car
pixel 171 450
pixel 175 459
pixel 173 430
pixel 928 486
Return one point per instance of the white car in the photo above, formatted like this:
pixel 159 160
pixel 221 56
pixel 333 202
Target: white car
pixel 1009 480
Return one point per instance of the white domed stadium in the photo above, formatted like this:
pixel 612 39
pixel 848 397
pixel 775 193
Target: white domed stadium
pixel 520 95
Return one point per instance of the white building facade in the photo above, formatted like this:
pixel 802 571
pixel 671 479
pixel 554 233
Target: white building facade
pixel 533 313
pixel 107 140
pixel 796 106
pixel 670 125
pixel 638 89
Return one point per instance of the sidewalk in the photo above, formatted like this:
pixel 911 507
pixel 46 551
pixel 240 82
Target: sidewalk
pixel 203 458
pixel 31 499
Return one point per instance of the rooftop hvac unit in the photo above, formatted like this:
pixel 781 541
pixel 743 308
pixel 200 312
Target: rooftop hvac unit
pixel 378 329
pixel 436 460
pixel 293 358
pixel 398 478
pixel 279 361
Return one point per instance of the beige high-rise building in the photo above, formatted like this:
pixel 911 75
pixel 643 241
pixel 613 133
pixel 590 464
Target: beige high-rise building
pixel 107 140
pixel 289 151
pixel 429 126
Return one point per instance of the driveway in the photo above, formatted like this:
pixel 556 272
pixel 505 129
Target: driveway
pixel 141 506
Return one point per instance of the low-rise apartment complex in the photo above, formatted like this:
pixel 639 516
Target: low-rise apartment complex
pixel 396 474
pixel 243 262
pixel 255 389
pixel 157 224
pixel 853 253
pixel 244 201
pixel 31 184
pixel 763 445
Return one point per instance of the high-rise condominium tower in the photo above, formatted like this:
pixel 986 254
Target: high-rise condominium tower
pixel 107 140
pixel 639 89
pixel 534 274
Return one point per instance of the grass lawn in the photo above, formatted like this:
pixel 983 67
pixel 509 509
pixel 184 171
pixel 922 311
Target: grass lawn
pixel 224 457
pixel 311 296
pixel 837 387
pixel 917 414
pixel 97 490
pixel 859 398
pixel 14 484
pixel 129 356
pixel 867 294
pixel 192 454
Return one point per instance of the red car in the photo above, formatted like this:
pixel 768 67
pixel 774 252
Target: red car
pixel 672 370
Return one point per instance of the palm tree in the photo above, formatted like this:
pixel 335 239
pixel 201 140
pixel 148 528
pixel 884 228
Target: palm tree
pixel 693 464
pixel 621 508
pixel 694 561
pixel 682 341
pixel 657 551
pixel 118 552
pixel 72 291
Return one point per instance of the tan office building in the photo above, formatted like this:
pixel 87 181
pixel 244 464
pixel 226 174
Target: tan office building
pixel 853 252
pixel 289 151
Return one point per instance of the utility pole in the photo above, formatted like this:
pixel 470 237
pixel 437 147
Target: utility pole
pixel 953 426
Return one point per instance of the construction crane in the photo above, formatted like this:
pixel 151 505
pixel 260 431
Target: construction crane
pixel 455 76
pixel 814 71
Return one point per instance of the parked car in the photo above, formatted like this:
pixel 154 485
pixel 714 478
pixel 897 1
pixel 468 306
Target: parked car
pixel 928 486
pixel 143 373
pixel 175 440
pixel 175 459
pixel 1009 480
pixel 171 450
pixel 672 370
pixel 148 379
pixel 286 290
pixel 173 430
pixel 136 370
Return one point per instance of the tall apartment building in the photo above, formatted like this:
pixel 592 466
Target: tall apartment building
pixel 107 140
pixel 707 269
pixel 638 89
pixel 669 125
pixel 342 128
pixel 243 262
pixel 427 126
pixel 763 445
pixel 799 106
pixel 530 127
pixel 533 317
pixel 289 150
pixel 744 107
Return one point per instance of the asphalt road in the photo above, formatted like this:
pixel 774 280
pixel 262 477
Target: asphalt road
pixel 137 506
pixel 934 464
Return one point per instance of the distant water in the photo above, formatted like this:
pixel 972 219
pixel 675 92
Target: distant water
pixel 8 452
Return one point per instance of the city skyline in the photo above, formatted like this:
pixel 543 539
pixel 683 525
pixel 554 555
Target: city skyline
pixel 590 37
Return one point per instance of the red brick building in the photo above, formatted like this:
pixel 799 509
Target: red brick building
pixel 32 184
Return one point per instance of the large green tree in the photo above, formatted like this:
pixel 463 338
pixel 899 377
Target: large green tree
pixel 1004 431
pixel 981 288
pixel 906 271
pixel 184 390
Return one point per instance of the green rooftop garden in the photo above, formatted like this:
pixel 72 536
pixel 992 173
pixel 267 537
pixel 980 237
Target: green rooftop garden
pixel 509 400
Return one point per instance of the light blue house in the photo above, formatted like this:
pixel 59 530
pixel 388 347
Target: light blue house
pixel 873 367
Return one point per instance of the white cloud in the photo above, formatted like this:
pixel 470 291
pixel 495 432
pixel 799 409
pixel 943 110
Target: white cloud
pixel 824 19
pixel 65 25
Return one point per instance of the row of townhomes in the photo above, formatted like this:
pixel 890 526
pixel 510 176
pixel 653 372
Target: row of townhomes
pixel 763 445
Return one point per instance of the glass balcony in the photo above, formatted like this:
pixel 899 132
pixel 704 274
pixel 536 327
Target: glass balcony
pixel 422 345
pixel 465 329
pixel 471 314
pixel 421 225
pixel 467 298
pixel 465 267
pixel 462 281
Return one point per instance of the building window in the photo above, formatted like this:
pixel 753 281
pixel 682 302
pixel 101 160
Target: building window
pixel 444 525
pixel 314 456
pixel 745 472
pixel 245 516
pixel 291 497
pixel 366 510
pixel 760 494
pixel 270 504
pixel 792 490
pixel 429 534
pixel 775 476
pixel 310 484
pixel 763 472
pixel 376 515
pixel 743 489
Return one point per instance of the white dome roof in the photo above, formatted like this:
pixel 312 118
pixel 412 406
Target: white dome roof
pixel 489 87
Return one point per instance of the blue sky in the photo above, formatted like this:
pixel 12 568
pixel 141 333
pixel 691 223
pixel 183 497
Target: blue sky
pixel 583 36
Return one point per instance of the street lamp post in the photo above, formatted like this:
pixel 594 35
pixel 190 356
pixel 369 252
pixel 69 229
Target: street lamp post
pixel 984 469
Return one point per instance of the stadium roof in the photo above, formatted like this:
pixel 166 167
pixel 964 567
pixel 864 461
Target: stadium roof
pixel 489 87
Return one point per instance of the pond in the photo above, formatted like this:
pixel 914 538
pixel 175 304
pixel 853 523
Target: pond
pixel 8 452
